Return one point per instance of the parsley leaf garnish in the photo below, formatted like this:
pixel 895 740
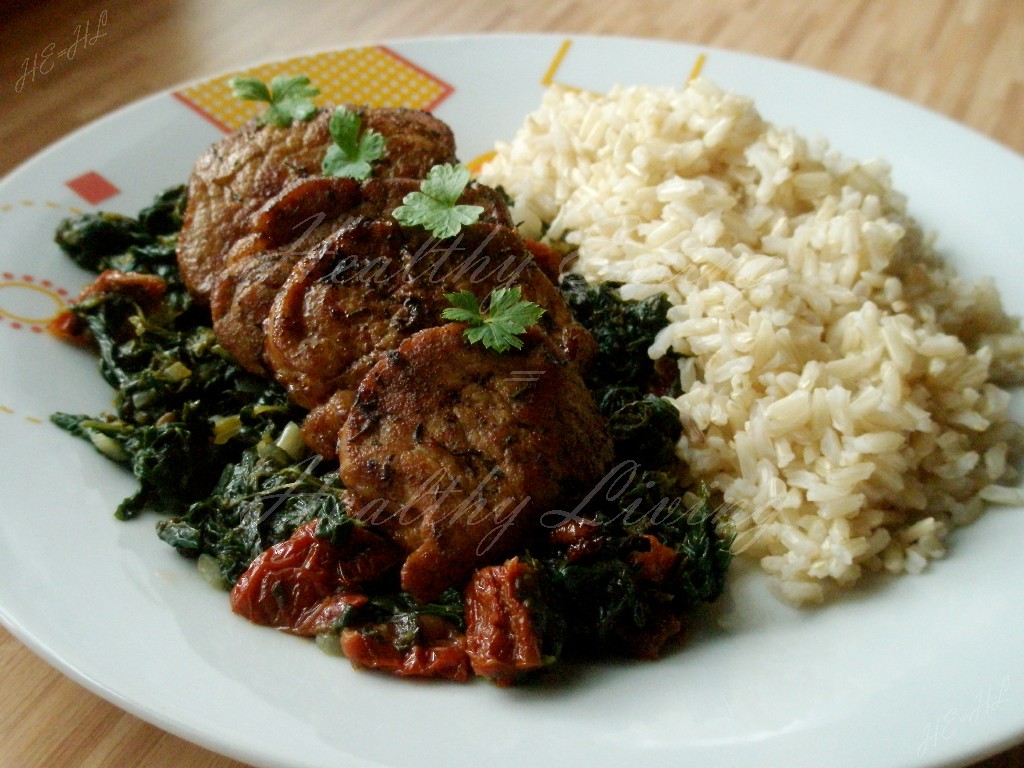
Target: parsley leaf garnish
pixel 351 154
pixel 507 317
pixel 434 207
pixel 290 97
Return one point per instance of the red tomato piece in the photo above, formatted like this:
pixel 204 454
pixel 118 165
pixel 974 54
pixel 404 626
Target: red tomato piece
pixel 368 650
pixel 287 580
pixel 501 636
pixel 657 562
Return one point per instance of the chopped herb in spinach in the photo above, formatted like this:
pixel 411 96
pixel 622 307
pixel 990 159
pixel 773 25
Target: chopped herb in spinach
pixel 605 601
pixel 258 502
pixel 98 241
pixel 598 598
pixel 623 329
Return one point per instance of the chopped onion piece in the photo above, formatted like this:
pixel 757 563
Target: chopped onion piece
pixel 226 427
pixel 209 569
pixel 291 441
pixel 329 643
pixel 108 446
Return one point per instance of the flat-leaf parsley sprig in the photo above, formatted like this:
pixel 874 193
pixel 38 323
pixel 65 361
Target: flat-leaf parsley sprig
pixel 435 206
pixel 352 152
pixel 499 326
pixel 290 97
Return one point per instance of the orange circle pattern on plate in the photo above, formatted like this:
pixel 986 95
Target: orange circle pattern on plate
pixel 20 302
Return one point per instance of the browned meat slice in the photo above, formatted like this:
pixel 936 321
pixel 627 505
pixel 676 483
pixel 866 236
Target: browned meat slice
pixel 257 266
pixel 242 297
pixel 416 141
pixel 233 178
pixel 455 451
pixel 284 230
pixel 326 319
pixel 322 424
pixel 292 215
pixel 372 284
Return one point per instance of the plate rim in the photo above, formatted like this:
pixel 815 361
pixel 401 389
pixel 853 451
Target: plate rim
pixel 151 714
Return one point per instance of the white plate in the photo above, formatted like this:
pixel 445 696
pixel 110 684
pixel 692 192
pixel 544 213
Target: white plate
pixel 916 671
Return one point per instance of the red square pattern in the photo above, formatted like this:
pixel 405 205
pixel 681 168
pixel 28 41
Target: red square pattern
pixel 92 187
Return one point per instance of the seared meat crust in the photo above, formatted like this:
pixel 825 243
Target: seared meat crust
pixel 284 230
pixel 234 177
pixel 456 452
pixel 372 284
pixel 303 214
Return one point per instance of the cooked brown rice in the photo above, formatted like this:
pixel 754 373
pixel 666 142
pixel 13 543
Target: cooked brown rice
pixel 845 383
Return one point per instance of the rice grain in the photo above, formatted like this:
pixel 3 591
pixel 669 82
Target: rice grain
pixel 844 389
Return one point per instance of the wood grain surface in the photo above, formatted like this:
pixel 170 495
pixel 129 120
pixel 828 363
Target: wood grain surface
pixel 962 58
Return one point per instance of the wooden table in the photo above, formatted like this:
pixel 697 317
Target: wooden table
pixel 963 58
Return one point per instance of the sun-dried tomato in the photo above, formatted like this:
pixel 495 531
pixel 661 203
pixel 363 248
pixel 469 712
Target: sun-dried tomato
pixel 287 580
pixel 501 636
pixel 327 614
pixel 579 535
pixel 370 650
pixel 305 584
pixel 657 562
pixel 69 327
pixel 367 557
pixel 146 290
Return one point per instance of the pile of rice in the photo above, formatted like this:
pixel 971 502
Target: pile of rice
pixel 845 384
